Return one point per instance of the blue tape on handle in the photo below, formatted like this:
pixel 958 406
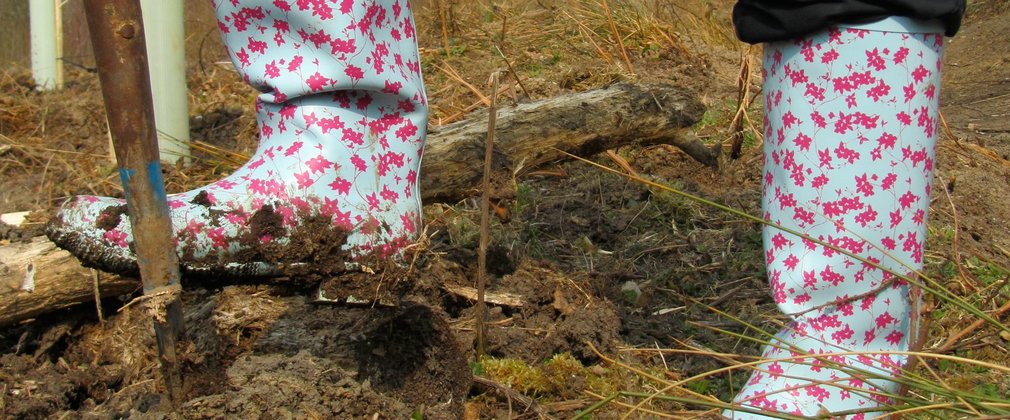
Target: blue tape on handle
pixel 157 181
pixel 124 176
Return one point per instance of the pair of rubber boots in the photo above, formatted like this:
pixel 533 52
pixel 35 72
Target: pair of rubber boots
pixel 851 118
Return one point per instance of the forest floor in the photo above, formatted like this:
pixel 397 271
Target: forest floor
pixel 625 288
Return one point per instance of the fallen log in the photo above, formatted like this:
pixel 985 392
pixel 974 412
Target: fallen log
pixel 36 277
pixel 530 135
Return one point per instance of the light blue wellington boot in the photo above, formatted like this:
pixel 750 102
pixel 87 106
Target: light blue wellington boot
pixel 342 117
pixel 850 132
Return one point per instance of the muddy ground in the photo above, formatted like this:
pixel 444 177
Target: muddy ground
pixel 599 264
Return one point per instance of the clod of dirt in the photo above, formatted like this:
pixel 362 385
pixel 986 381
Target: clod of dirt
pixel 265 222
pixel 345 362
pixel 202 199
pixel 499 261
pixel 110 217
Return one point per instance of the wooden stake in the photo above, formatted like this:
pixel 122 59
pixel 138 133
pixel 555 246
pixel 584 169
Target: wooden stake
pixel 485 218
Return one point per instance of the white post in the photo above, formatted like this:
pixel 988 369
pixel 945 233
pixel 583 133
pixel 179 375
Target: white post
pixel 163 23
pixel 44 18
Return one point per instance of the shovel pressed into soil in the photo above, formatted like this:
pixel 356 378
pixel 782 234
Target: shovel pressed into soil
pixel 117 33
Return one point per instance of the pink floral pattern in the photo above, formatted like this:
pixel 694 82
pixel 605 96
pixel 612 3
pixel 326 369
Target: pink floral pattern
pixel 342 118
pixel 850 131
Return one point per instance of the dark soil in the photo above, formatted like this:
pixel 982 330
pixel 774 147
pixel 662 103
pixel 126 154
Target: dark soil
pixel 252 352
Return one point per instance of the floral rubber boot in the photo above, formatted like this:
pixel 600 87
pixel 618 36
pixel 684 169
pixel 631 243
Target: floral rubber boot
pixel 850 133
pixel 342 119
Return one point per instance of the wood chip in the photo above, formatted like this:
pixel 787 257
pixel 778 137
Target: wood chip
pixel 494 298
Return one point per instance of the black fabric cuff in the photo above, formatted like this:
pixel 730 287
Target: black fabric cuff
pixel 759 21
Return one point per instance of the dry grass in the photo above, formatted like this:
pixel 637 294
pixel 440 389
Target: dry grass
pixel 53 145
pixel 547 48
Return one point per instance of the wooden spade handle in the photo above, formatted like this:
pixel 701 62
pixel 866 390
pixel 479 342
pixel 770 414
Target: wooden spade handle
pixel 117 34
